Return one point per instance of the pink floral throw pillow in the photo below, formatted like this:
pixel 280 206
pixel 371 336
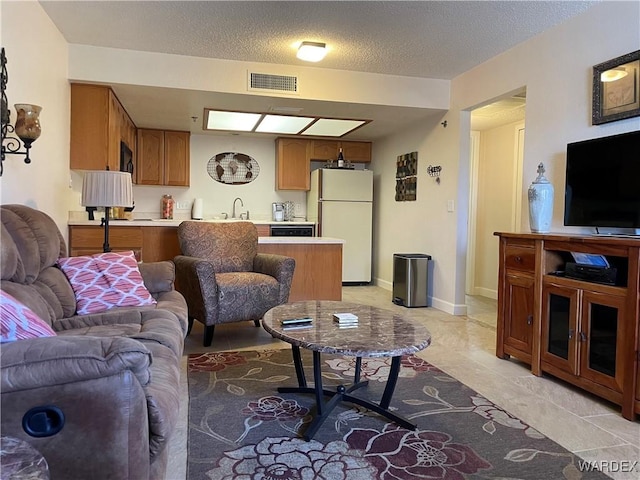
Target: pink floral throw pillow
pixel 19 322
pixel 122 272
pixel 105 280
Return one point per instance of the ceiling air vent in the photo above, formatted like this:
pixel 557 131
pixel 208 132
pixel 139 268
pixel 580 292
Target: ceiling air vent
pixel 266 82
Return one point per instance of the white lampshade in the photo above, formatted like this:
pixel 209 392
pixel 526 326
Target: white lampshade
pixel 106 188
pixel 312 51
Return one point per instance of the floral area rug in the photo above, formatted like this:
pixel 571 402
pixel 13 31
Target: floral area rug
pixel 241 428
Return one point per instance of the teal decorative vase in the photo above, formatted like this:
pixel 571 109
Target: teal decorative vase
pixel 540 195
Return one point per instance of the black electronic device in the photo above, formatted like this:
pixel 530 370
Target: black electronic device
pixel 591 273
pixel 603 182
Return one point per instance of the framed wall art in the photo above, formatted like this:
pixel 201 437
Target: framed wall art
pixel 406 177
pixel 233 168
pixel 616 86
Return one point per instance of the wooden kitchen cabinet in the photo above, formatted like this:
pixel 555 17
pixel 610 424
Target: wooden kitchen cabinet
pixel 98 124
pixel 160 243
pixel 318 272
pixel 355 152
pixel 163 158
pixel 583 332
pixel 323 149
pixel 293 167
pixel 149 244
pixel 89 239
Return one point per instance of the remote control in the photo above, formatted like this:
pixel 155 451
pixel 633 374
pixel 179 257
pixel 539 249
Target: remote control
pixel 294 321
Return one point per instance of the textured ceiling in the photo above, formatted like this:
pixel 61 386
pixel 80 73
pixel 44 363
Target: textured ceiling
pixel 430 39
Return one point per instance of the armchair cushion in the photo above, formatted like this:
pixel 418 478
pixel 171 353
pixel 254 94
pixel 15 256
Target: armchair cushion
pixel 19 322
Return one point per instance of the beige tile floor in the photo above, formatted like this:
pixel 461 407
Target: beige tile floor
pixel 464 346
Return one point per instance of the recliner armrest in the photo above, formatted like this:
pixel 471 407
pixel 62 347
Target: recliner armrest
pixel 158 276
pixel 50 361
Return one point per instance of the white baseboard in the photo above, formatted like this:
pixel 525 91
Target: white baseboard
pixel 433 302
pixel 486 292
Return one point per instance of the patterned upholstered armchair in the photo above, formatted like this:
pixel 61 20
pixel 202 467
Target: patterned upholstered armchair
pixel 224 278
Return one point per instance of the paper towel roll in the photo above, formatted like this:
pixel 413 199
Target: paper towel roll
pixel 196 210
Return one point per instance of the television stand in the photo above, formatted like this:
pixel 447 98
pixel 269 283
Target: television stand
pixel 583 332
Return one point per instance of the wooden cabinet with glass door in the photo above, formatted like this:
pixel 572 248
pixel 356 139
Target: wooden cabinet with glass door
pixel 583 337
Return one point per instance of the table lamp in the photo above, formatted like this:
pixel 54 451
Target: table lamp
pixel 106 188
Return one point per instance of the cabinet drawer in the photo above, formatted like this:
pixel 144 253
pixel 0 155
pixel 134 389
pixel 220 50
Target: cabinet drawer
pixel 520 258
pixel 93 237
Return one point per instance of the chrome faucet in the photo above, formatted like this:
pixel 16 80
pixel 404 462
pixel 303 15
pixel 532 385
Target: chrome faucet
pixel 233 211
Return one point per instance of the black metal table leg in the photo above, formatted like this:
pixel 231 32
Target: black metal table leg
pixel 297 362
pixel 317 382
pixel 356 376
pixel 342 393
pixel 391 382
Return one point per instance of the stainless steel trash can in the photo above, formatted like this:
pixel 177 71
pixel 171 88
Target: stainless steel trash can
pixel 410 279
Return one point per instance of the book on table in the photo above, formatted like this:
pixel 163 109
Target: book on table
pixel 345 318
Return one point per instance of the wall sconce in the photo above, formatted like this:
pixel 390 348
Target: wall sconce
pixel 434 171
pixel 27 126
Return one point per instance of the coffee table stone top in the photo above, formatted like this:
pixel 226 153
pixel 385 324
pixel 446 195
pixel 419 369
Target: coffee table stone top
pixel 380 333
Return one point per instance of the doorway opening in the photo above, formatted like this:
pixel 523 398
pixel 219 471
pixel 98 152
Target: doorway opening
pixel 496 187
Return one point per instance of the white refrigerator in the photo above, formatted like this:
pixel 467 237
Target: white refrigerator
pixel 341 203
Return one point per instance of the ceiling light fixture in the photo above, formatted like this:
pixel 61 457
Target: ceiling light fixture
pixel 312 51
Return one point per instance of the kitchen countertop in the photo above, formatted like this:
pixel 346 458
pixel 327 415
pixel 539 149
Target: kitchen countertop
pixel 305 240
pixel 261 240
pixel 156 222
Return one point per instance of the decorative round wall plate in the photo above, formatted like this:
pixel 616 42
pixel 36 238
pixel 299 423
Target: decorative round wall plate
pixel 233 168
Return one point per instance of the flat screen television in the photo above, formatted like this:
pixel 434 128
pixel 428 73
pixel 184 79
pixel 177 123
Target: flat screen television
pixel 603 182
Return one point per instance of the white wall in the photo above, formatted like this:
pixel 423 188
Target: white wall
pixel 37 63
pixel 556 68
pixel 424 225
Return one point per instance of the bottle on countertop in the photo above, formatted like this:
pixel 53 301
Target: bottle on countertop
pixel 340 158
pixel 167 207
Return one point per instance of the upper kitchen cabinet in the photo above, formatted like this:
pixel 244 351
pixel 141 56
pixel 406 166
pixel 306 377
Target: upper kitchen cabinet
pixel 292 164
pixel 163 158
pixel 355 152
pixel 98 124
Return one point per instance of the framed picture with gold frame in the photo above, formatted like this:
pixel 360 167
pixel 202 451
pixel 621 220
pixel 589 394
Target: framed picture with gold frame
pixel 616 89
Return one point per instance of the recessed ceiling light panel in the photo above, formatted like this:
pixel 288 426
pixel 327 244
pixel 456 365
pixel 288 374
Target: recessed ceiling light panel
pixel 238 121
pixel 333 127
pixel 283 124
pixel 278 124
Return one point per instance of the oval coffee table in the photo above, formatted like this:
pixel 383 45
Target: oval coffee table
pixel 380 333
